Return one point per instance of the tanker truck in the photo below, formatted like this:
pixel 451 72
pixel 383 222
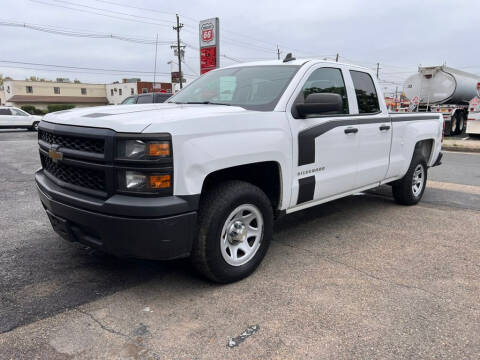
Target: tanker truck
pixel 445 90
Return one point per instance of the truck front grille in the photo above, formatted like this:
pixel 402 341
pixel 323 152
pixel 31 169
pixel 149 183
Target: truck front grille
pixel 73 175
pixel 73 142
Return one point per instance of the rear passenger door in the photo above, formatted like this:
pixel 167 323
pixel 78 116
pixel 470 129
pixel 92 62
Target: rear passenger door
pixel 374 131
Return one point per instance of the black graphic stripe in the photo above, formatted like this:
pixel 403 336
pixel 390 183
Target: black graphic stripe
pixel 306 189
pixel 306 138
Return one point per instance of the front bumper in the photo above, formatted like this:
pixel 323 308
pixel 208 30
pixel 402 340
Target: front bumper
pixel 149 228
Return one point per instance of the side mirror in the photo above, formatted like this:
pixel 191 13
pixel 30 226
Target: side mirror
pixel 321 104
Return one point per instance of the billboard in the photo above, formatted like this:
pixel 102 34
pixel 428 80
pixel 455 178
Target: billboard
pixel 209 45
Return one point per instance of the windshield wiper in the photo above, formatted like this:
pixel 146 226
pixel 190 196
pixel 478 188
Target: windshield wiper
pixel 203 103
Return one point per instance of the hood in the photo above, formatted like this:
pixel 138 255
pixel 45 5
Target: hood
pixel 136 118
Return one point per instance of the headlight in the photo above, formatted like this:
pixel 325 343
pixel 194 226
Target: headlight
pixel 143 149
pixel 144 182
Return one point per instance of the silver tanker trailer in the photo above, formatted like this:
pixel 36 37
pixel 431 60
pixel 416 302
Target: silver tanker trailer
pixel 446 90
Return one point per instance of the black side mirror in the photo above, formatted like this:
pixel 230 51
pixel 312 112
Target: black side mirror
pixel 321 104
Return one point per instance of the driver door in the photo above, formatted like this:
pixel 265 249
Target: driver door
pixel 324 146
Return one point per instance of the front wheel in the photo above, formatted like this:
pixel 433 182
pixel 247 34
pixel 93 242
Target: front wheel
pixel 235 229
pixel 409 189
pixel 34 126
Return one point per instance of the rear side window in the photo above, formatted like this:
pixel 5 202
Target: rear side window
pixel 325 80
pixel 145 99
pixel 160 98
pixel 5 112
pixel 367 98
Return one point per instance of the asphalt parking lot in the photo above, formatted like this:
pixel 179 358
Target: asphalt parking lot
pixel 360 277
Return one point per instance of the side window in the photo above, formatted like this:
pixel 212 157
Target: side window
pixel 17 112
pixel 325 80
pixel 145 99
pixel 5 112
pixel 367 98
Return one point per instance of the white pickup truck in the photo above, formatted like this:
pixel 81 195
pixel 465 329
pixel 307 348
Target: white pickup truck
pixel 205 174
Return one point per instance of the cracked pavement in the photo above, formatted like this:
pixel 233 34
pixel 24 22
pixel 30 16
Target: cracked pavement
pixel 357 278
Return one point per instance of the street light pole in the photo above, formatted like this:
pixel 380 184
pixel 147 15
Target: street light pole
pixel 177 28
pixel 155 66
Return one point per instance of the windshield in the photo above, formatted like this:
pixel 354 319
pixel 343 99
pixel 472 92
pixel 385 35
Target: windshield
pixel 251 87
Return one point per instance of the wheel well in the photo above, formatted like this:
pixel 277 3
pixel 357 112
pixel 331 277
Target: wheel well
pixel 424 148
pixel 265 175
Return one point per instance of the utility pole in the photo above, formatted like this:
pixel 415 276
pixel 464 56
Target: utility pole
pixel 336 59
pixel 155 66
pixel 177 28
pixel 378 69
pixel 396 92
pixel 278 53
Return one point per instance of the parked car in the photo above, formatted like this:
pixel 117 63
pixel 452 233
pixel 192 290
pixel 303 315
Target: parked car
pixel 147 98
pixel 14 118
pixel 205 174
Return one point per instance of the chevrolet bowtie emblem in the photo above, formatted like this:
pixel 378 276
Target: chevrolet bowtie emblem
pixel 55 155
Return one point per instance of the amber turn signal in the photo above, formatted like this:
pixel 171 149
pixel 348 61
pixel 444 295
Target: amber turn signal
pixel 159 149
pixel 160 181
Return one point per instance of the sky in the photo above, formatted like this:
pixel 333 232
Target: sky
pixel 399 35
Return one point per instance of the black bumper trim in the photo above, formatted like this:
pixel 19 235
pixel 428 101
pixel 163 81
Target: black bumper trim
pixel 147 238
pixel 119 205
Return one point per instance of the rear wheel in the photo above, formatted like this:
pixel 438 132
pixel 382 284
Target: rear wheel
pixel 235 229
pixel 461 123
pixel 454 125
pixel 409 189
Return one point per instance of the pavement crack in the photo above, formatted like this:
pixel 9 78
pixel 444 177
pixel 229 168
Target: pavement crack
pixel 104 327
pixel 136 340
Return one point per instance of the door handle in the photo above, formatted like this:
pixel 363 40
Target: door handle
pixel 351 130
pixel 384 127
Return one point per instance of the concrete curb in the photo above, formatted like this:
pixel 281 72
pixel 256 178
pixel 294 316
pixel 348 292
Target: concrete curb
pixel 461 145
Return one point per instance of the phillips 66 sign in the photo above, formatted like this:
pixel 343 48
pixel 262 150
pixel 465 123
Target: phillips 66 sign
pixel 209 45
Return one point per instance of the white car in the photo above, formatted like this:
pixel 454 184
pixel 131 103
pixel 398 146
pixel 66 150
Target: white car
pixel 14 118
pixel 205 174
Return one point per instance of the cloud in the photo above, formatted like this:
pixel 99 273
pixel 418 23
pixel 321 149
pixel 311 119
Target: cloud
pixel 398 35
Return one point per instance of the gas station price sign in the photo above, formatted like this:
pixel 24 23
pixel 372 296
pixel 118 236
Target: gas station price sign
pixel 208 59
pixel 209 45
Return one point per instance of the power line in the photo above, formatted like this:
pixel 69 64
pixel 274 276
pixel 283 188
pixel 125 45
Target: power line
pixel 84 68
pixel 96 13
pixel 112 11
pixel 65 32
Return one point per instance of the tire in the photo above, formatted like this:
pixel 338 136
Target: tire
pixel 461 123
pixel 223 251
pixel 454 125
pixel 34 126
pixel 409 189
